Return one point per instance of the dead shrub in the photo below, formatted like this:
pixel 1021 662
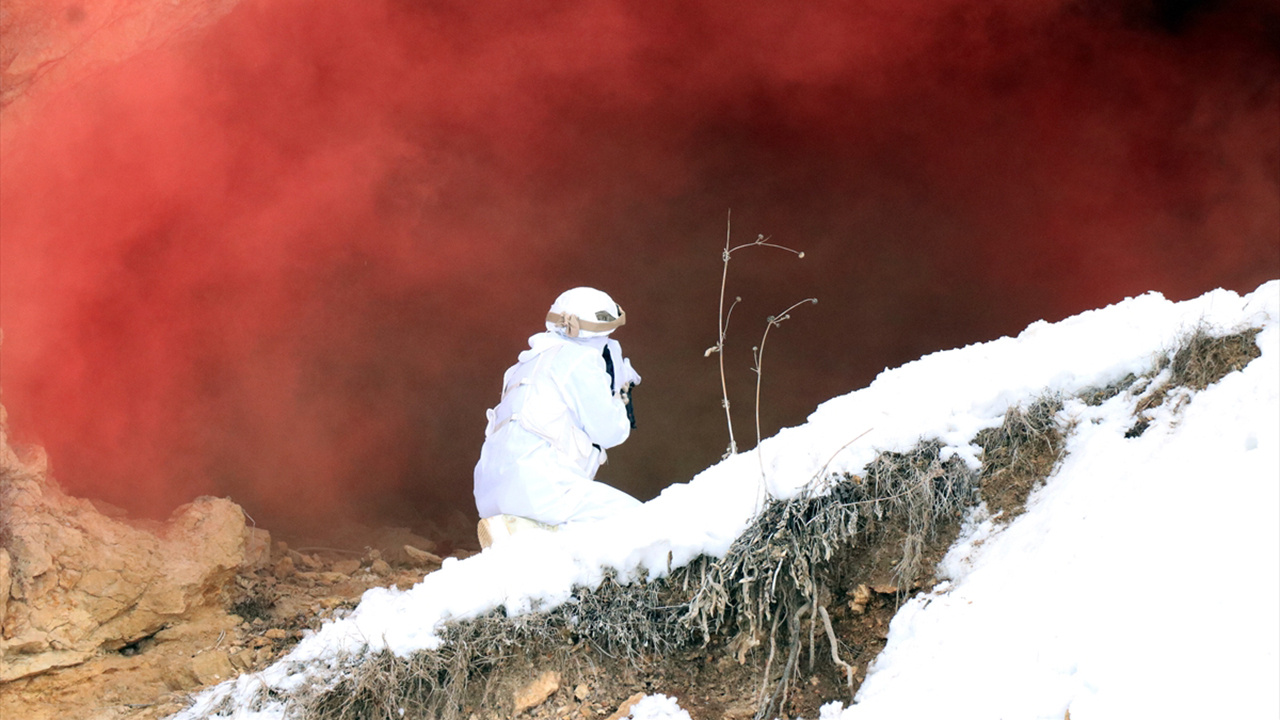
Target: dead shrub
pixel 253 598
pixel 775 575
pixel 1020 454
pixel 621 622
pixel 628 622
pixel 1198 359
pixel 1202 359
pixel 1095 396
pixel 429 683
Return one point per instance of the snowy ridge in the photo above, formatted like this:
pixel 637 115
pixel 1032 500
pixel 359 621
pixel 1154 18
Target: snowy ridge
pixel 1094 600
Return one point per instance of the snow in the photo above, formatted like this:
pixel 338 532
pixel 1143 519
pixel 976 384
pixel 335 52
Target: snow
pixel 658 707
pixel 1142 581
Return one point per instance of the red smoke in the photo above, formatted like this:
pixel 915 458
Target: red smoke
pixel 285 256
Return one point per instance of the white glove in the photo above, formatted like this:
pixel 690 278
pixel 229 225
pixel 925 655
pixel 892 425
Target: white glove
pixel 624 374
pixel 629 375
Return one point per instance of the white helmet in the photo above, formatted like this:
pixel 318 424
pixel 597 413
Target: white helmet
pixel 585 312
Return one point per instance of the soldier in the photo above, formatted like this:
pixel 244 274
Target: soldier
pixel 564 403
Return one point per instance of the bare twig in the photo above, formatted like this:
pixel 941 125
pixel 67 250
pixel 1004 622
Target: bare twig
pixel 822 472
pixel 723 323
pixel 723 320
pixel 758 352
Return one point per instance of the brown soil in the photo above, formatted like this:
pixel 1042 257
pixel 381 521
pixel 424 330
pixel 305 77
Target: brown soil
pixel 1019 455
pixel 707 682
pixel 266 614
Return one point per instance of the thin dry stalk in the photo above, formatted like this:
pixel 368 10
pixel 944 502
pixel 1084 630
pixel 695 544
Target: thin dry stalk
pixel 723 318
pixel 758 353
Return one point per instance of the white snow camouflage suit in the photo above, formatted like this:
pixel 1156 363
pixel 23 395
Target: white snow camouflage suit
pixel 547 437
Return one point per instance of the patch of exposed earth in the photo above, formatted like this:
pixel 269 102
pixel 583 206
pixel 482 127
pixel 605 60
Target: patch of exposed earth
pixel 266 611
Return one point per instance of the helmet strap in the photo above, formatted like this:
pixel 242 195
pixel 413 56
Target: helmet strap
pixel 573 325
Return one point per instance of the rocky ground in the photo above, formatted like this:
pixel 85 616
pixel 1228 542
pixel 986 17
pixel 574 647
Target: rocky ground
pixel 265 609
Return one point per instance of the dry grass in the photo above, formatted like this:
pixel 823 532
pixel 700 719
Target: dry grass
pixel 1202 359
pixel 1198 360
pixel 621 623
pixel 1020 454
pixel 774 576
pixel 1095 396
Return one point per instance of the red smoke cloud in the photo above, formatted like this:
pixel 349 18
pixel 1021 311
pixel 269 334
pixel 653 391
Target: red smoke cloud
pixel 285 256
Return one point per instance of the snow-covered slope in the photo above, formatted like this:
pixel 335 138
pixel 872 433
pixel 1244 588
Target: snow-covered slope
pixel 1143 580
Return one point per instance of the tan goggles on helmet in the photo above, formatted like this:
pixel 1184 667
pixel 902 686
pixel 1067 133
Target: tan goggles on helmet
pixel 573 324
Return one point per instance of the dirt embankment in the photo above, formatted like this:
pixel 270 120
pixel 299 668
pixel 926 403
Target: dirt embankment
pixel 103 616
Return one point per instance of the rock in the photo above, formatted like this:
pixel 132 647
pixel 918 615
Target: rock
pixel 625 708
pixel 861 596
pixel 284 568
pixel 391 541
pixel 203 626
pixel 537 692
pixel 257 548
pixel 380 568
pixel 243 660
pixel 581 692
pixel 302 560
pixel 212 666
pixel 81 581
pixel 147 685
pixel 346 567
pixel 179 676
pixel 421 558
pixel 275 634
